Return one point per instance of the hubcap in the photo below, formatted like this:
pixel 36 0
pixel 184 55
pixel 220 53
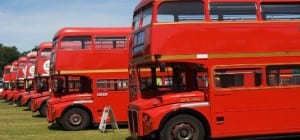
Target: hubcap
pixel 183 131
pixel 75 119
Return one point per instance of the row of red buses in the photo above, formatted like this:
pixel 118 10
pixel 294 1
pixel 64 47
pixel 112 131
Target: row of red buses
pixel 20 79
pixel 202 69
pixel 41 74
pixel 89 70
pixel 25 78
pixel 29 81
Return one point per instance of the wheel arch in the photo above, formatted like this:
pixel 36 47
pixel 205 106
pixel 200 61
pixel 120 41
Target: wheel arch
pixel 44 102
pixel 187 111
pixel 80 106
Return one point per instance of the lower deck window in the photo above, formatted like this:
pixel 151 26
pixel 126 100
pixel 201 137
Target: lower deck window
pixel 112 85
pixel 283 75
pixel 237 77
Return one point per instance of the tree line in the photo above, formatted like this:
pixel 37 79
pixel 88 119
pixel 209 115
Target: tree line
pixel 8 54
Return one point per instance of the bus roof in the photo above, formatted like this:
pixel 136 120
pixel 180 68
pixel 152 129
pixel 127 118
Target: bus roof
pixel 86 31
pixel 143 3
pixel 7 66
pixel 32 54
pixel 45 45
pixel 22 58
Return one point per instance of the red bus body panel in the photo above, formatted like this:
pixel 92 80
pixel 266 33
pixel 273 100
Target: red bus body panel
pixel 263 110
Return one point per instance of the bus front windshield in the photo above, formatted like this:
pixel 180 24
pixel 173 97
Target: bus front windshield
pixel 20 84
pixel 29 84
pixel 159 79
pixel 42 84
pixel 71 84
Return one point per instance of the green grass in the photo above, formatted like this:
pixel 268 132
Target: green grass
pixel 16 123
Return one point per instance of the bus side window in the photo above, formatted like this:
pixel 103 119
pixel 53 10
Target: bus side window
pixel 237 77
pixel 232 11
pixel 281 11
pixel 284 75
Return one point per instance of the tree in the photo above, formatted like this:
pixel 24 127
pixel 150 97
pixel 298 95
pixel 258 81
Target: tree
pixel 7 56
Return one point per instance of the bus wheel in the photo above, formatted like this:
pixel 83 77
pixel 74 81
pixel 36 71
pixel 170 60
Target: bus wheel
pixel 18 102
pixel 183 127
pixel 6 99
pixel 43 110
pixel 75 119
pixel 29 104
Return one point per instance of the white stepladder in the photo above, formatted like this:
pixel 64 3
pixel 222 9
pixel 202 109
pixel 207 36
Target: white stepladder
pixel 107 111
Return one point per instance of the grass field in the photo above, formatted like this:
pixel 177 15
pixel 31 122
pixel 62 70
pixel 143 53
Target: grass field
pixel 17 123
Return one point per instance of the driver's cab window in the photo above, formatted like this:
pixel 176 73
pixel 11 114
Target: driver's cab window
pixel 173 77
pixel 72 84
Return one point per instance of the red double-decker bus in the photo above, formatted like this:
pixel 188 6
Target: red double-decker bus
pixel 6 81
pixel 25 97
pixel 24 76
pixel 12 80
pixel 214 68
pixel 41 88
pixel 89 70
pixel 17 77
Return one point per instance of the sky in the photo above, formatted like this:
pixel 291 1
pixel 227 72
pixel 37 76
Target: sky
pixel 27 23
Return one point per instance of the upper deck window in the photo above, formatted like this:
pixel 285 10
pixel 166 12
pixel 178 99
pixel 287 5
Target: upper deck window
pixel 220 11
pixel 32 61
pixel 110 42
pixel 7 71
pixel 281 11
pixel 142 18
pixel 46 53
pixel 147 17
pixel 76 43
pixel 136 21
pixel 180 11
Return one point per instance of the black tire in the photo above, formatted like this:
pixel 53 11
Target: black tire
pixel 58 122
pixel 5 98
pixel 19 101
pixel 183 127
pixel 75 119
pixel 29 104
pixel 43 110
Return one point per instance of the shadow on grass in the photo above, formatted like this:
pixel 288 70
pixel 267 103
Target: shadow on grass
pixel 56 127
pixel 9 102
pixel 26 109
pixel 38 116
pixel 3 101
pixel 129 138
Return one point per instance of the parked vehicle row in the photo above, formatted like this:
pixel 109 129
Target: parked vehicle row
pixel 186 69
